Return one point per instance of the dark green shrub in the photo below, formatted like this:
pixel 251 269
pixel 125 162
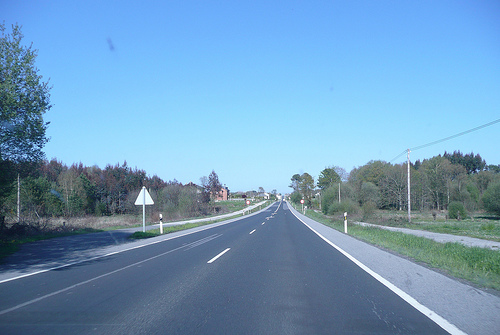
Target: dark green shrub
pixel 295 197
pixel 456 210
pixel 491 198
pixel 348 206
pixel 328 197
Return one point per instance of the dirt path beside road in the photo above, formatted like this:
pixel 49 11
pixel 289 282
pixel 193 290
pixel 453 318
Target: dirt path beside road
pixel 440 237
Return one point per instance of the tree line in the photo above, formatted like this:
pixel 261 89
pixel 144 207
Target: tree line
pixel 54 189
pixel 435 183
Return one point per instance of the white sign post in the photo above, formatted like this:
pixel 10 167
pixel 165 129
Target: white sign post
pixel 144 199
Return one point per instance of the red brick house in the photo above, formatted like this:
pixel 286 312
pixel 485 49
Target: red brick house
pixel 223 194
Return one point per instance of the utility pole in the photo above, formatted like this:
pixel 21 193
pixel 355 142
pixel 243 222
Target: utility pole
pixel 409 203
pixel 339 193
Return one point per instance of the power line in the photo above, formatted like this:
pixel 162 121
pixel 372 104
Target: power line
pixel 447 138
pixel 401 154
pixel 457 135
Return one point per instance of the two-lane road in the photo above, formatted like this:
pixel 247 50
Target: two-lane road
pixel 263 274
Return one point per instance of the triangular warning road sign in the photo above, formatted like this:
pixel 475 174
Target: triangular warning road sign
pixel 144 198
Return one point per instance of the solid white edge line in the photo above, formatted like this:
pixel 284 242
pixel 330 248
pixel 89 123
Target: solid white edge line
pixel 253 231
pixel 439 320
pixel 215 258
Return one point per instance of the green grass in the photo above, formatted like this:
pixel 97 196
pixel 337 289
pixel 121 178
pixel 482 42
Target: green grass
pixel 167 230
pixel 484 227
pixel 480 266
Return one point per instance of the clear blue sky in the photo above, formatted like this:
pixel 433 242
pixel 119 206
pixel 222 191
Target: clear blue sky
pixel 261 90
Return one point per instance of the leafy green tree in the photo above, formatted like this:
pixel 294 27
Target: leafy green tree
pixel 491 198
pixel 214 184
pixel 483 179
pixel 169 197
pixel 472 163
pixel 328 177
pixel 328 197
pixel 88 195
pixel 40 199
pixel 493 168
pixel 369 193
pixel 373 171
pixel 306 187
pixel 393 187
pixel 24 98
pixel 7 177
pixel 435 173
pixel 295 197
pixel 454 174
pixel 188 202
pixel 296 179
pixel 211 188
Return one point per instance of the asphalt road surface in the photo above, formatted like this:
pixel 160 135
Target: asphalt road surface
pixel 263 274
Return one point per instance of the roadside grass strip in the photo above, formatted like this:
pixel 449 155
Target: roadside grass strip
pixel 480 266
pixel 168 230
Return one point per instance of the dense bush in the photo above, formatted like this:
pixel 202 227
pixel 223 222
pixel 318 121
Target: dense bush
pixel 491 198
pixel 347 205
pixel 295 197
pixel 456 210
pixel 329 197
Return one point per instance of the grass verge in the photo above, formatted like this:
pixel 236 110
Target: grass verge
pixel 167 230
pixel 478 265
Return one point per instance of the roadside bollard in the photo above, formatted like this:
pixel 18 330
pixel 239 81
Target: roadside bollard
pixel 161 224
pixel 345 222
